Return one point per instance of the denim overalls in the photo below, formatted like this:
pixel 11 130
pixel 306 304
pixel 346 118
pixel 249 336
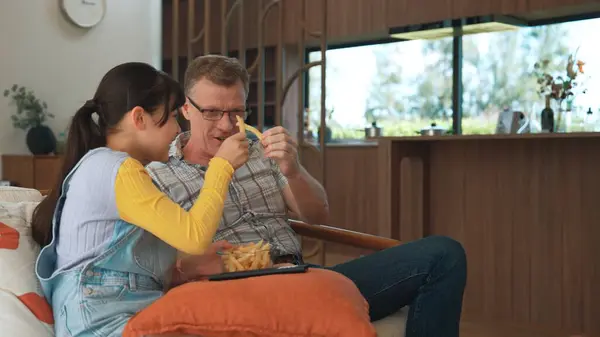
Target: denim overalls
pixel 97 298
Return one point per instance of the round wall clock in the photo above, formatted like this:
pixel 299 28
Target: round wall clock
pixel 84 13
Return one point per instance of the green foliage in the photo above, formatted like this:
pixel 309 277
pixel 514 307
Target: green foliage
pixel 31 112
pixel 386 85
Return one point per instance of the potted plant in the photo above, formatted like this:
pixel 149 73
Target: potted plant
pixel 30 116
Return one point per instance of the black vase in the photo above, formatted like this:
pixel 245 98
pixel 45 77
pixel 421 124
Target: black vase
pixel 548 120
pixel 548 117
pixel 328 134
pixel 40 140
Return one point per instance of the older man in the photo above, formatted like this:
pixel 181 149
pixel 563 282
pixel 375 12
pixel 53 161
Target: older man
pixel 428 274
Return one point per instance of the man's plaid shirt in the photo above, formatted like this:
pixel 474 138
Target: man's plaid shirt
pixel 254 209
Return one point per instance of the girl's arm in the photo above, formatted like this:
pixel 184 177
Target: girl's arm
pixel 141 203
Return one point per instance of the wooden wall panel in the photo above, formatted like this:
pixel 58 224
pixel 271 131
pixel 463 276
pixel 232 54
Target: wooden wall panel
pixel 523 210
pixel 466 8
pixel 349 19
pixel 253 10
pixel 406 12
pixel 352 194
pixel 549 5
pixel 352 20
pixel 351 184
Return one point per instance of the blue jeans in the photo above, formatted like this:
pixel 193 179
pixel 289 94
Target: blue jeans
pixel 428 274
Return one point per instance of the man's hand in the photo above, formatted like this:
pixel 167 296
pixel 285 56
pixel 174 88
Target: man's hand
pixel 282 148
pixel 202 266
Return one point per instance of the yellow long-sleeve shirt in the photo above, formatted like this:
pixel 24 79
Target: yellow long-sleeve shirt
pixel 141 203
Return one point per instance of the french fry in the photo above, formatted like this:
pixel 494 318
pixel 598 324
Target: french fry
pixel 241 124
pixel 251 256
pixel 243 127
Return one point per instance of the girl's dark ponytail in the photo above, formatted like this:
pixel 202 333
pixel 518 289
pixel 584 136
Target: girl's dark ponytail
pixel 124 87
pixel 84 135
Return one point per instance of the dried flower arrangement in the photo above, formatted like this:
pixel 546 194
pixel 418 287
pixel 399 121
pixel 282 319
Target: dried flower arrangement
pixel 559 87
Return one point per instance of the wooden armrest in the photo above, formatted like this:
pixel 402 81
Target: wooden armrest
pixel 334 234
pixel 343 236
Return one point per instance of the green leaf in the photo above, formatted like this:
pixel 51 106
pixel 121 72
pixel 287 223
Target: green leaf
pixel 30 110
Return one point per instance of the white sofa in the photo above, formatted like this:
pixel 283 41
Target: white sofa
pixel 16 319
pixel 393 325
pixel 23 309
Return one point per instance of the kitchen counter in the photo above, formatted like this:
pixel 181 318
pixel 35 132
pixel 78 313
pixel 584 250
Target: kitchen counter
pixel 562 135
pixel 345 142
pixel 375 141
pixel 524 207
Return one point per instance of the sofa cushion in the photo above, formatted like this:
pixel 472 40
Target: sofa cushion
pixel 393 325
pixel 316 303
pixel 21 302
pixel 17 194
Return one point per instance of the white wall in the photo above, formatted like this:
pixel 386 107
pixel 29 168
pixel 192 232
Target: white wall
pixel 62 63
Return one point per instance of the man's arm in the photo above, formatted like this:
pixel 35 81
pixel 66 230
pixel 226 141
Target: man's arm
pixel 305 196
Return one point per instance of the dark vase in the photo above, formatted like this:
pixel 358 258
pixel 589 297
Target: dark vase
pixel 548 117
pixel 328 134
pixel 40 140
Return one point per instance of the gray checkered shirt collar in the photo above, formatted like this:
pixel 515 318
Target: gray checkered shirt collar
pixel 176 149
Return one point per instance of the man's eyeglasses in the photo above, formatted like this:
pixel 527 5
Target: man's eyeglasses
pixel 217 114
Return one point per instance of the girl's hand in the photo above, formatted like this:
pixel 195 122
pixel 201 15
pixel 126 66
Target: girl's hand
pixel 198 267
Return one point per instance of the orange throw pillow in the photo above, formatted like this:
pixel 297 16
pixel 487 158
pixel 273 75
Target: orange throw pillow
pixel 9 237
pixel 38 306
pixel 316 303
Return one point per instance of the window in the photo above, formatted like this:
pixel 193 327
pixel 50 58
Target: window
pixel 405 86
pixel 401 86
pixel 498 74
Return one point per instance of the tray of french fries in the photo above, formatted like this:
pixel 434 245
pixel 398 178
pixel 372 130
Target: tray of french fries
pixel 250 256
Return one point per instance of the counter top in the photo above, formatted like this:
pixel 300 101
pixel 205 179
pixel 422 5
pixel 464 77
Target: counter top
pixel 563 135
pixel 346 142
pixel 374 142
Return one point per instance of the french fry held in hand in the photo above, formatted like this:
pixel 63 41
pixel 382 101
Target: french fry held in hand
pixel 251 256
pixel 243 127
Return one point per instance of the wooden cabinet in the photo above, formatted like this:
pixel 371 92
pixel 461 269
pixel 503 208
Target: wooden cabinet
pixel 39 172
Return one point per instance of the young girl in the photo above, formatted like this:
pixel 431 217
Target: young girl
pixel 110 235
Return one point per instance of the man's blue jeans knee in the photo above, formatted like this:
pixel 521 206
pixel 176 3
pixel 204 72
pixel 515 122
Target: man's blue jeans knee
pixel 428 274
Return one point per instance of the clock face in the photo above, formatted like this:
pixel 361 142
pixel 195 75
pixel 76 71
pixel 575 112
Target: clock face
pixel 84 13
